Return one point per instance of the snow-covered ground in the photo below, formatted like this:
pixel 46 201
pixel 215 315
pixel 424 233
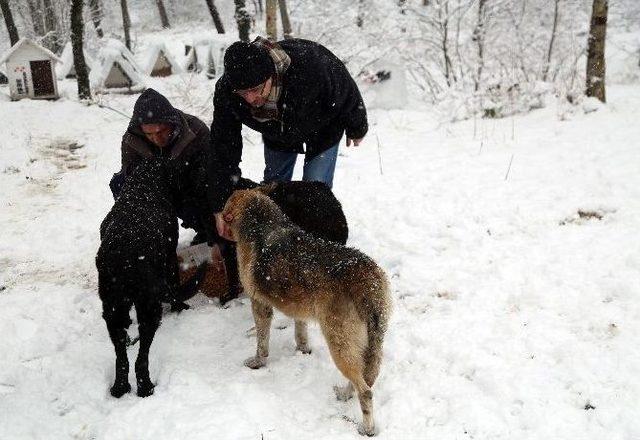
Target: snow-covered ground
pixel 514 317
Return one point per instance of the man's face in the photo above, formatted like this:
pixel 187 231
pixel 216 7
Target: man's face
pixel 256 96
pixel 158 134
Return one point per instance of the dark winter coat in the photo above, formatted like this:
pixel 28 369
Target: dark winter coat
pixel 187 151
pixel 319 102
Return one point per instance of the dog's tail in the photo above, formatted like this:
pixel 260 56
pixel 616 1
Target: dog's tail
pixel 375 310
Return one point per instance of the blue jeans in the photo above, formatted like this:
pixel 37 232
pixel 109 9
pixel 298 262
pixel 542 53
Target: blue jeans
pixel 279 166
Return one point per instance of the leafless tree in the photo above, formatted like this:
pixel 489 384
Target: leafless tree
pixel 8 20
pixel 243 19
pixel 164 19
pixel 126 23
pixel 51 38
pixel 272 19
pixel 361 13
pixel 37 18
pixel 595 50
pixel 215 16
pixel 95 6
pixel 79 63
pixel 286 22
pixel 479 38
pixel 547 64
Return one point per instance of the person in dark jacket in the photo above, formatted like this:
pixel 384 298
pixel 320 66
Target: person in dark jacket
pixel 302 99
pixel 158 129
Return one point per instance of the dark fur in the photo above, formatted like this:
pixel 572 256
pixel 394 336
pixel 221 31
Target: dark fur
pixel 310 205
pixel 137 266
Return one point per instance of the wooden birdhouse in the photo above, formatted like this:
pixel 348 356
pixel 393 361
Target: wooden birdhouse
pixel 31 71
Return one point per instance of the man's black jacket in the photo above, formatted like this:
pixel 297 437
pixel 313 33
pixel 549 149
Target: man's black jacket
pixel 187 151
pixel 319 102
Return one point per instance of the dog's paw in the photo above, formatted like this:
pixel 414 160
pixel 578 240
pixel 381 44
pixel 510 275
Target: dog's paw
pixel 369 432
pixel 178 307
pixel 303 348
pixel 120 389
pixel 255 362
pixel 145 389
pixel 343 393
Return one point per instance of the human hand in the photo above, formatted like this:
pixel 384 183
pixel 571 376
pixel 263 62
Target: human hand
pixel 216 259
pixel 356 142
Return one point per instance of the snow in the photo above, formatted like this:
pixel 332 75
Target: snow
pixel 514 315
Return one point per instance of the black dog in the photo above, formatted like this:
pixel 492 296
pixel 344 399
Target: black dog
pixel 310 205
pixel 137 265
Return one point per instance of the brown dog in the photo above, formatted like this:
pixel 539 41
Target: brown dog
pixel 308 278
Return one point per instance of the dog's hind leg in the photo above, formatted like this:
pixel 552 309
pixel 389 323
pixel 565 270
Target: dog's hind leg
pixel 117 318
pixel 262 314
pixel 302 338
pixel 149 314
pixel 345 346
pixel 344 393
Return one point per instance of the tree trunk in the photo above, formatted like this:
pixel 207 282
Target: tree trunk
pixel 272 20
pixel 163 15
pixel 126 23
pixel 443 18
pixel 96 16
pixel 243 19
pixel 286 22
pixel 51 39
pixel 595 51
pixel 215 16
pixel 8 20
pixel 478 36
pixel 360 16
pixel 77 30
pixel 547 64
pixel 37 20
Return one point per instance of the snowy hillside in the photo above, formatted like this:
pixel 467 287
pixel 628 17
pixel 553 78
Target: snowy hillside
pixel 511 245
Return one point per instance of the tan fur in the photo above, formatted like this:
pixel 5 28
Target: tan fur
pixel 351 305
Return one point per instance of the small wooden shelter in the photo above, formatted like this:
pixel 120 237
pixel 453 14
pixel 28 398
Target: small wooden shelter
pixel 31 71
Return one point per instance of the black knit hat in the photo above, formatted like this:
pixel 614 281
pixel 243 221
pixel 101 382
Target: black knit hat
pixel 247 65
pixel 153 108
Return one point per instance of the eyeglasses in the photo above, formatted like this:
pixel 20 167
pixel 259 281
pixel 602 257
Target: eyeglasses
pixel 259 89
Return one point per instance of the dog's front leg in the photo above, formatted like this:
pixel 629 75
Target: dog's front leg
pixel 262 314
pixel 118 336
pixel 302 339
pixel 149 315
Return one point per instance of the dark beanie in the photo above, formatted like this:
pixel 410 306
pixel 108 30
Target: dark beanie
pixel 153 108
pixel 247 65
